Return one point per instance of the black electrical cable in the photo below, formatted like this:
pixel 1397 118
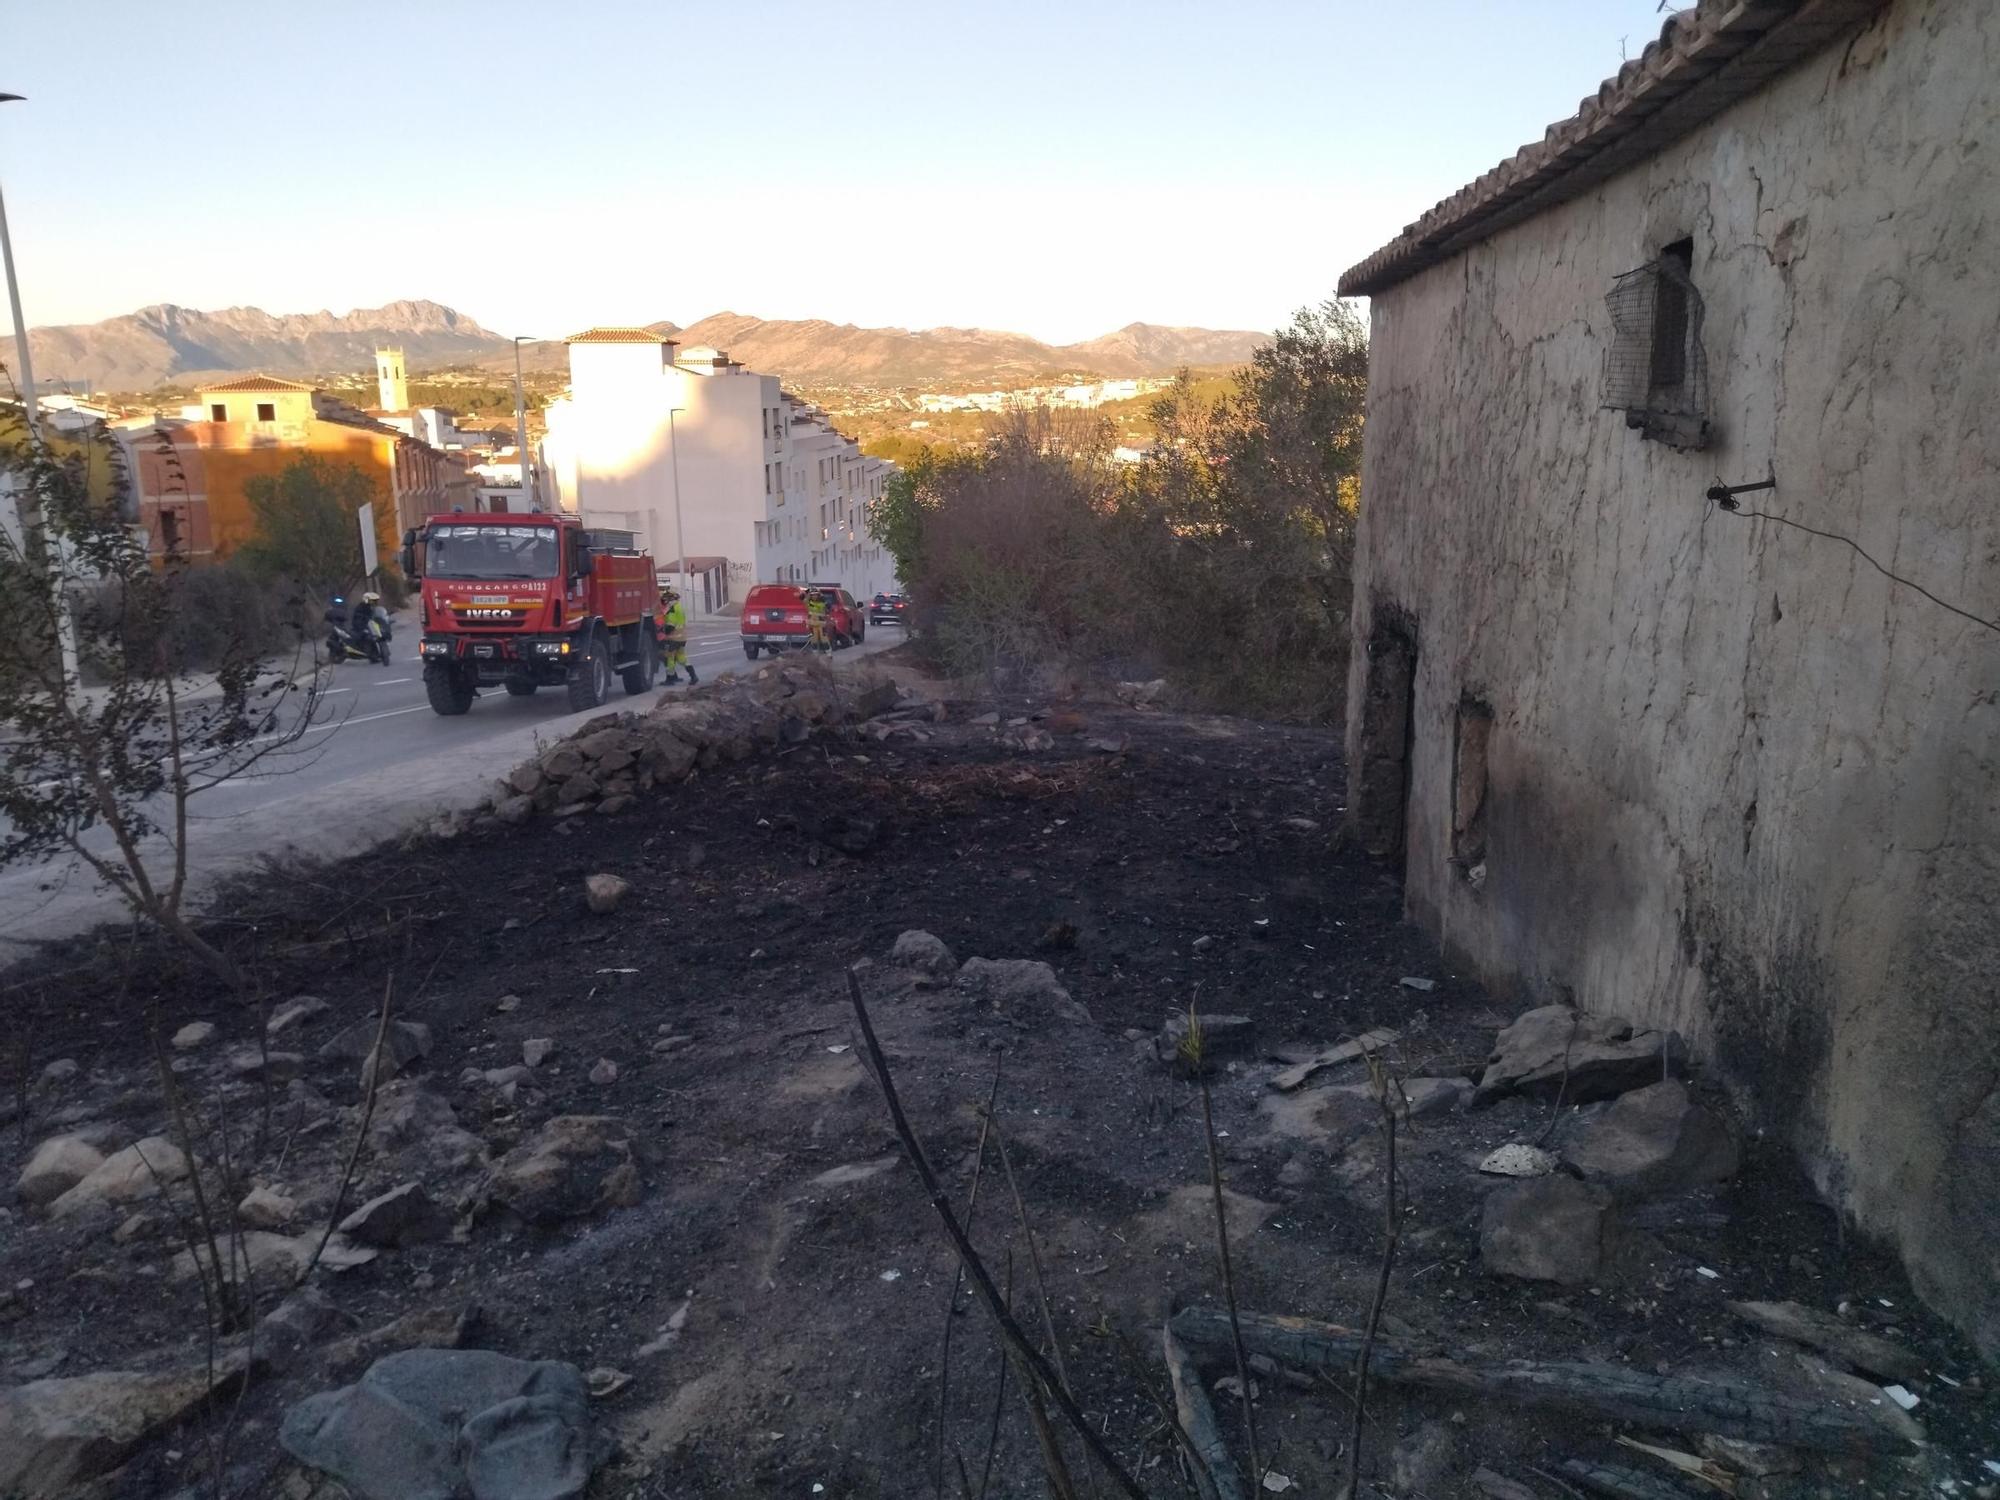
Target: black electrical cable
pixel 1834 536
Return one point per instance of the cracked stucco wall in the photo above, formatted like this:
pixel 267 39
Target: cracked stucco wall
pixel 1738 781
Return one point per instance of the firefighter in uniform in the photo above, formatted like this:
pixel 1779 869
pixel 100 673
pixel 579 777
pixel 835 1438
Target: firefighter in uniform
pixel 673 637
pixel 816 619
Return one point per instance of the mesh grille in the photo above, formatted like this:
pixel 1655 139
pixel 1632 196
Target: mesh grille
pixel 1655 371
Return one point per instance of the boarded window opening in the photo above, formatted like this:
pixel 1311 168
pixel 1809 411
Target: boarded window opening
pixel 1655 371
pixel 1471 734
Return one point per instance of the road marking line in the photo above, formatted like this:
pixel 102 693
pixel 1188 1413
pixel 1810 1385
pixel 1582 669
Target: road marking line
pixel 387 713
pixel 392 681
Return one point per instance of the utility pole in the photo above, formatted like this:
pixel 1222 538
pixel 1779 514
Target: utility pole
pixel 34 538
pixel 530 494
pixel 680 532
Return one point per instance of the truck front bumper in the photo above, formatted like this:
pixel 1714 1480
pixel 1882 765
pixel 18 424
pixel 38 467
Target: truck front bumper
pixel 547 658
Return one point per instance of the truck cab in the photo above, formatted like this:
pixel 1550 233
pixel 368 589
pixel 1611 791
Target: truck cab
pixel 526 601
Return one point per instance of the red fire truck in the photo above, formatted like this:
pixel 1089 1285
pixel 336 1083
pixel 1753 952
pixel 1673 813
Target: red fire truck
pixel 531 601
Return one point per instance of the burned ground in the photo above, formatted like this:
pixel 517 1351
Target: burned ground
pixel 777 1294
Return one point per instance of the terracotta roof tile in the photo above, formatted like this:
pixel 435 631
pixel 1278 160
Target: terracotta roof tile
pixel 259 384
pixel 1705 59
pixel 615 334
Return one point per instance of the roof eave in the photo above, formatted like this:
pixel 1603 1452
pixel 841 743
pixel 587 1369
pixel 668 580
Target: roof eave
pixel 1705 60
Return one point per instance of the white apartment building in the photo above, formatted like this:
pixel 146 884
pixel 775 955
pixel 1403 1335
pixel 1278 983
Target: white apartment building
pixel 815 529
pixel 699 456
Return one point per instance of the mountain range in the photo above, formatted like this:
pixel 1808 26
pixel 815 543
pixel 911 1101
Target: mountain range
pixel 162 344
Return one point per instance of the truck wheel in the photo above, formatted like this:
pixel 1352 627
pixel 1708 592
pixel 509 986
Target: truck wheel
pixel 590 679
pixel 638 677
pixel 449 689
pixel 750 650
pixel 521 687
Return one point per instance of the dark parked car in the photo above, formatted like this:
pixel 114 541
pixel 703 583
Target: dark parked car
pixel 887 609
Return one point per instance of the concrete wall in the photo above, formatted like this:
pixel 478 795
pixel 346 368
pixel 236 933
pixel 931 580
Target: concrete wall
pixel 1734 780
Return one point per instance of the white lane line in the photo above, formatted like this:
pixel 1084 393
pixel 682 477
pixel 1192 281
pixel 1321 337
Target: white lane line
pixel 387 713
pixel 391 681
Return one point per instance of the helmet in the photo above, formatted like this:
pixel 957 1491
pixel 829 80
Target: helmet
pixel 371 597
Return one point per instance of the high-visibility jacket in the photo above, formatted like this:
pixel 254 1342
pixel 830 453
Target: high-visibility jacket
pixel 674 624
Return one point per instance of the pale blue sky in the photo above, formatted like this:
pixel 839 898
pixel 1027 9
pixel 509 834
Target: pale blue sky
pixel 1059 169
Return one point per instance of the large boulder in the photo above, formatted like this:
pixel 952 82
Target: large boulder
pixel 139 1171
pixel 59 1164
pixel 1547 1229
pixel 437 1424
pixel 573 1166
pixel 1655 1140
pixel 56 1435
pixel 1023 989
pixel 1558 1048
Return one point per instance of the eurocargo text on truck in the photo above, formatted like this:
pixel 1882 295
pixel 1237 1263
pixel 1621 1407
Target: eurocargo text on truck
pixel 526 601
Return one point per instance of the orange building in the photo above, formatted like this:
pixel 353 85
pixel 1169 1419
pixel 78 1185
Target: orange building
pixel 190 474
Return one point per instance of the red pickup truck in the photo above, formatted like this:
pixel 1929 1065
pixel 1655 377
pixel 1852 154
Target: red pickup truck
pixel 774 618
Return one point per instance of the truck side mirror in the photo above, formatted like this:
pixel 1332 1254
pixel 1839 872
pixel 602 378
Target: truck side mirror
pixel 410 554
pixel 579 558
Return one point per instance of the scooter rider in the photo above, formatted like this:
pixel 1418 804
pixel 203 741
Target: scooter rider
pixel 361 625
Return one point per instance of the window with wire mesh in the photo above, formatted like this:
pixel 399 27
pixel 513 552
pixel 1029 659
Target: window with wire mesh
pixel 1655 371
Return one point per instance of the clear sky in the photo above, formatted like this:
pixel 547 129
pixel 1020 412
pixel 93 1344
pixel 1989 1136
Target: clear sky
pixel 1059 169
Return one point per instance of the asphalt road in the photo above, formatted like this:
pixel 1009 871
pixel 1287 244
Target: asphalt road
pixel 376 760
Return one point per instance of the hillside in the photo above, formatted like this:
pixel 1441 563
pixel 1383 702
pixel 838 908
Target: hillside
pixel 161 343
pixel 166 343
pixel 822 353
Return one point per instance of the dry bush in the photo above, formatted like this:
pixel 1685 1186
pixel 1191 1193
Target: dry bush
pixel 1222 562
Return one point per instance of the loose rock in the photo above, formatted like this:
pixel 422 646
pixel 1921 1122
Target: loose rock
pixel 1025 989
pixel 410 1118
pixel 266 1208
pixel 55 1435
pixel 1421 1462
pixel 59 1164
pixel 1655 1140
pixel 1586 1057
pixel 536 1050
pixel 405 1042
pixel 573 1166
pixel 403 1216
pixel 194 1034
pixel 603 893
pixel 58 1073
pixel 1546 1229
pixel 294 1013
pixel 435 1422
pixel 125 1177
pixel 925 953
pixel 605 1072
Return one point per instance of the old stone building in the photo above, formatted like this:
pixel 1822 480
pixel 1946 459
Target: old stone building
pixel 1682 758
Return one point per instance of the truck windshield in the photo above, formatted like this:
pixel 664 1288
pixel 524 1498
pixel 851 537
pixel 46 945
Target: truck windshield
pixel 490 552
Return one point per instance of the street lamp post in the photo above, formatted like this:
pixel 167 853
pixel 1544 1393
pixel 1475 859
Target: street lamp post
pixel 29 506
pixel 680 532
pixel 531 499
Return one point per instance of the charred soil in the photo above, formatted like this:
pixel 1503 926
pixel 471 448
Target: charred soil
pixel 778 1292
